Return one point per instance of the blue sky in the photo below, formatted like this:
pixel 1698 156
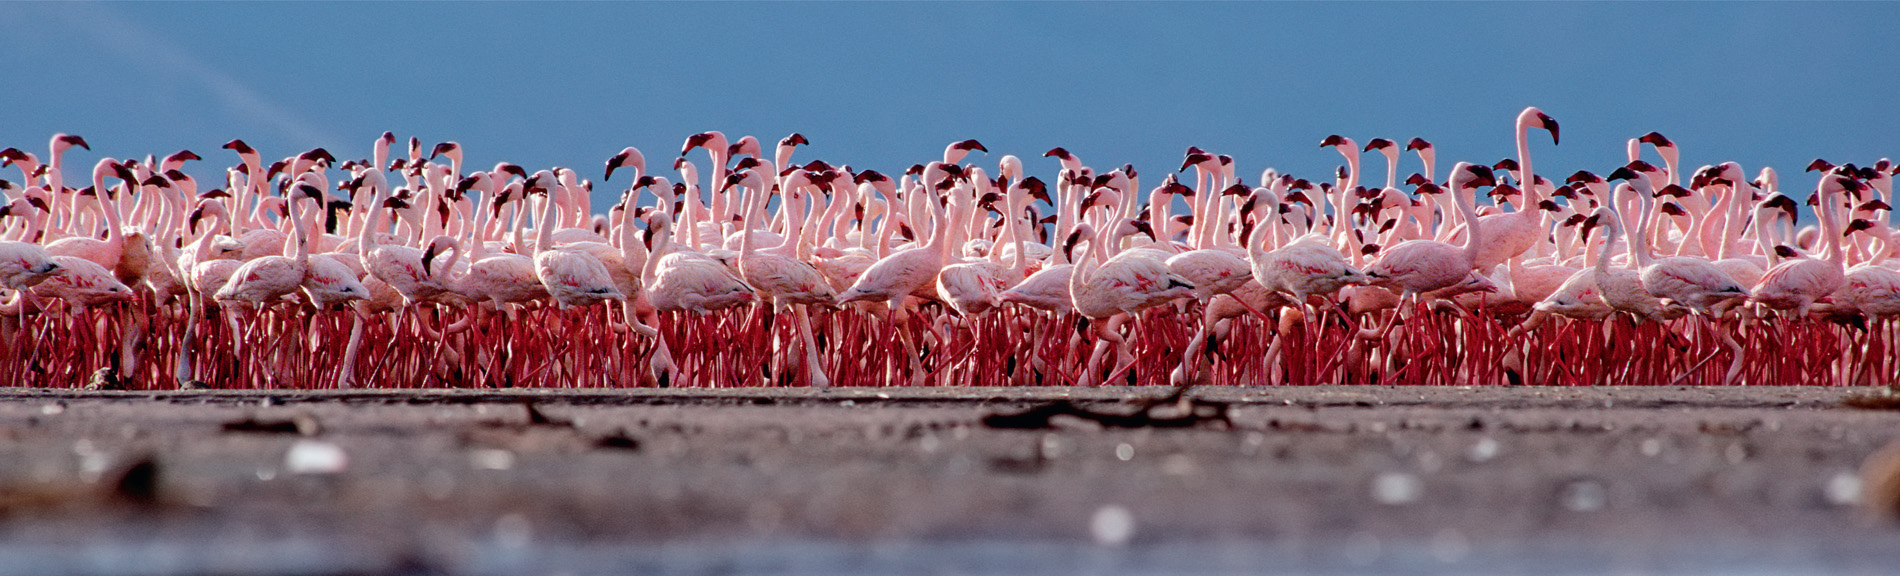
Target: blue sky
pixel 886 85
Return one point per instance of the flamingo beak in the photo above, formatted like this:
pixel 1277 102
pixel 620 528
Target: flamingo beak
pixel 1551 125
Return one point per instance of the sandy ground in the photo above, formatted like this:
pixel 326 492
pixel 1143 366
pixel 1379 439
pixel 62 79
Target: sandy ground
pixel 1309 480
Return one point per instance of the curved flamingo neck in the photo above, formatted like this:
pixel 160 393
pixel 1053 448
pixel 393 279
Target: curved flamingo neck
pixel 544 231
pixel 1639 236
pixel 1474 232
pixel 1610 237
pixel 1831 225
pixel 662 245
pixel 301 251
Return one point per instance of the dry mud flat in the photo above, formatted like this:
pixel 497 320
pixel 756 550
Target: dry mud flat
pixel 874 481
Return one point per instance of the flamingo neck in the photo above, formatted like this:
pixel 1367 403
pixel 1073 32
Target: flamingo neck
pixel 1831 227
pixel 1639 237
pixel 544 231
pixel 1474 236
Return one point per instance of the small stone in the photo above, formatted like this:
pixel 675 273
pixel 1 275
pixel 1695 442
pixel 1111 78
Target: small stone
pixel 491 459
pixel 1484 450
pixel 1179 465
pixel 1651 447
pixel 53 409
pixel 1112 525
pixel 1124 452
pixel 315 457
pixel 1397 488
pixel 1584 496
pixel 1843 489
pixel 1052 446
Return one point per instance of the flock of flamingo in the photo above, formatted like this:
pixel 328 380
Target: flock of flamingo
pixel 411 272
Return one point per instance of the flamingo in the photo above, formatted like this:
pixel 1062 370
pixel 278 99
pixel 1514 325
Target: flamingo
pixel 23 264
pixel 572 278
pixel 106 252
pixel 778 274
pixel 1514 232
pixel 1109 292
pixel 1795 285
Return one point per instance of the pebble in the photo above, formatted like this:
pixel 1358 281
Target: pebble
pixel 1843 489
pixel 1396 488
pixel 491 459
pixel 1584 496
pixel 1484 450
pixel 1124 452
pixel 1112 525
pixel 315 457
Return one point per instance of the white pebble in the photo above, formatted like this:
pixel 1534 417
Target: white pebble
pixel 315 457
pixel 52 409
pixel 1585 496
pixel 1397 488
pixel 1843 489
pixel 1112 525
pixel 1124 452
pixel 1484 450
pixel 491 459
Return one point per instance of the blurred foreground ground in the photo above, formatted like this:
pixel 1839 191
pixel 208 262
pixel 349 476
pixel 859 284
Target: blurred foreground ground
pixel 878 481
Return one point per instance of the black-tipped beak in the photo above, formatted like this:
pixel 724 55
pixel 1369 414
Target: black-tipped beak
pixel 1484 175
pixel 1856 226
pixel 1145 228
pixel 1551 125
pixel 427 257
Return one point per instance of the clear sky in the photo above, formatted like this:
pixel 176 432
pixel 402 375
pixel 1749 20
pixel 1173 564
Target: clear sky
pixel 886 85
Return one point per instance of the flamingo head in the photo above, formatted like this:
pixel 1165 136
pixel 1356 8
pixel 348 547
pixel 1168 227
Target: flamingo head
pixel 63 142
pixel 1476 175
pixel 628 157
pixel 955 152
pixel 746 145
pixel 713 142
pixel 1656 139
pixel 1194 159
pixel 1533 118
pixel 240 147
